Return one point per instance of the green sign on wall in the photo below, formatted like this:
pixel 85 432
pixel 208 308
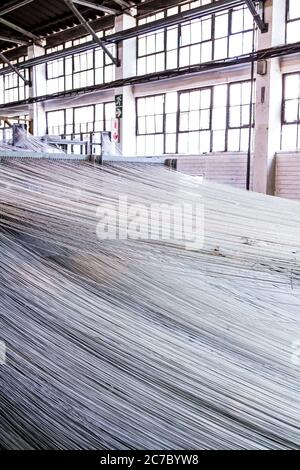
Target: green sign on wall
pixel 119 106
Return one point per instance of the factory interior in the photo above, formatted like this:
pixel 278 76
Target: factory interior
pixel 150 227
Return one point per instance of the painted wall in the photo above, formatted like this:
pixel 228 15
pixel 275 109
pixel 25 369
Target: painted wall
pixel 288 175
pixel 222 168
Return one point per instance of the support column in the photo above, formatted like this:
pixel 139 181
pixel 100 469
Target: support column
pixel 38 76
pixel 268 102
pixel 127 56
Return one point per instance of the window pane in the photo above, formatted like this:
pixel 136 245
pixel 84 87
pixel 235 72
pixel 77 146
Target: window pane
pixel 292 86
pixel 221 25
pixel 204 146
pixel 170 143
pixel 293 31
pixel 233 140
pixel 294 9
pixel 291 111
pixel 289 137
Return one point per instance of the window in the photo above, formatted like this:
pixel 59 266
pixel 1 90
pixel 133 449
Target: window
pixel 151 48
pixel 81 122
pixel 195 43
pixel 208 38
pixel 12 87
pixel 170 135
pixel 239 116
pixel 195 109
pixel 293 21
pixel 219 118
pixel 88 68
pixel 83 69
pixel 202 120
pixel 241 34
pixel 56 122
pixel 56 76
pixel 290 139
pixel 150 125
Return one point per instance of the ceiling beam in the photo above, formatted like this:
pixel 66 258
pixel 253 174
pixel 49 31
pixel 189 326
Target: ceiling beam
pixel 127 7
pixel 104 22
pixel 263 27
pixel 130 33
pixel 19 29
pixel 14 40
pixel 94 6
pixel 151 6
pixel 123 4
pixel 90 30
pixel 15 7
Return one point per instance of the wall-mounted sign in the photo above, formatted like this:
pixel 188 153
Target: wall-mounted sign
pixel 119 106
pixel 115 134
pixel 119 113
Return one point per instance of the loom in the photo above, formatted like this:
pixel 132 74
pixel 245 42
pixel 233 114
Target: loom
pixel 25 145
pixel 144 344
pixel 39 148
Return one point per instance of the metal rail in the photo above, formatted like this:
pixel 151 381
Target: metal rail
pixel 263 54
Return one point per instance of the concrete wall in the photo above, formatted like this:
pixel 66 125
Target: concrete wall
pixel 288 175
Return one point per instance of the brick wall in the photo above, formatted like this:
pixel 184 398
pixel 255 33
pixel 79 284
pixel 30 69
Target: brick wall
pixel 223 168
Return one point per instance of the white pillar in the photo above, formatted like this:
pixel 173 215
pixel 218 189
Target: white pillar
pixel 268 102
pixel 127 56
pixel 38 76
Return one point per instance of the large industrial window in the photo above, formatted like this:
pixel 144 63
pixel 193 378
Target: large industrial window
pixel 241 33
pixel 81 122
pixel 150 125
pixel 239 116
pixel 195 43
pixel 211 37
pixel 56 76
pixel 291 112
pixel 203 120
pixel 88 68
pixel 195 109
pixel 216 37
pixel 12 87
pixel 293 21
pixel 151 48
pixel 215 119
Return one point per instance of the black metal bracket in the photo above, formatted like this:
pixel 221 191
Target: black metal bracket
pixel 263 27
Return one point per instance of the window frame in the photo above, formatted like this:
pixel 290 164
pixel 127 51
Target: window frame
pixel 211 130
pixel 20 83
pixel 283 120
pixel 178 48
pixel 106 63
pixel 289 20
pixel 163 133
pixel 73 111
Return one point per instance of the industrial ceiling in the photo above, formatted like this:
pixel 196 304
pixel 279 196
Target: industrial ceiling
pixel 43 17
